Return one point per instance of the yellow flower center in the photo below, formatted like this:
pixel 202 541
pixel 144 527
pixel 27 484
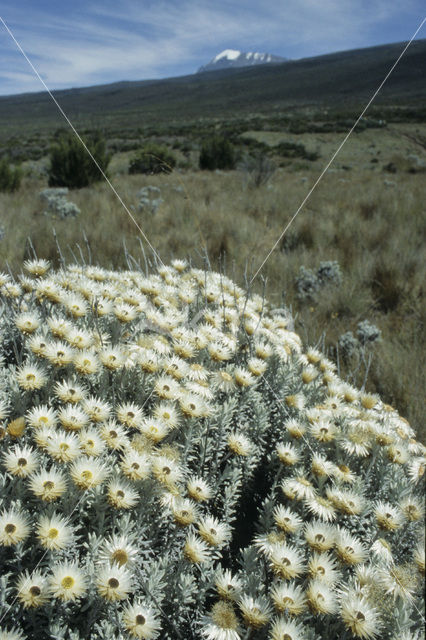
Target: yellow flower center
pixel 67 582
pixel 53 533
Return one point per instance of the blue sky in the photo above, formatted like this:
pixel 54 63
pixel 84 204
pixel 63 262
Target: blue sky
pixel 86 42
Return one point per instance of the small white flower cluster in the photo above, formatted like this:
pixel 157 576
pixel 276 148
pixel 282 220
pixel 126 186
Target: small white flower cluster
pixel 157 429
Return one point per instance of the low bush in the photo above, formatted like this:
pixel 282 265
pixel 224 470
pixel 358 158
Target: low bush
pixel 217 153
pixel 10 177
pixel 70 164
pixel 151 159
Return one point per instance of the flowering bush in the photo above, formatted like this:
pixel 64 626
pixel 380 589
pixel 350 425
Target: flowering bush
pixel 176 465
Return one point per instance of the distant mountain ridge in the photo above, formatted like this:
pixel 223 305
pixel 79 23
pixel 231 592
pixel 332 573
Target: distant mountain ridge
pixel 232 58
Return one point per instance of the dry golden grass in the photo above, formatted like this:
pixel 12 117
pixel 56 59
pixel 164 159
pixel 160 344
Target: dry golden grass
pixel 373 229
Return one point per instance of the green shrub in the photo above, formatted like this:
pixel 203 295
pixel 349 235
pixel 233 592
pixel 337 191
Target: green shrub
pixel 217 153
pixel 70 164
pixel 10 177
pixel 153 158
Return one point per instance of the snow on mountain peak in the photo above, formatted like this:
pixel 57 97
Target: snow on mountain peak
pixel 229 54
pixel 234 58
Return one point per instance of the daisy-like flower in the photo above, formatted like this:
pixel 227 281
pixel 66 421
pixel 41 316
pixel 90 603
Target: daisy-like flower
pixel 320 536
pixel 349 549
pixel 184 511
pixel 69 392
pixel 75 305
pixel 321 467
pixel 256 366
pixel 255 612
pixel 219 352
pixel 321 508
pixel 59 326
pixel 112 358
pixel 87 473
pixel 167 413
pixel 198 489
pixel 283 629
pixel 114 435
pixel 286 519
pixel 227 586
pixel 91 443
pixel 14 527
pixel 98 410
pixel 357 441
pixel 195 550
pixel 79 338
pixel 38 345
pixel 125 312
pixel 176 367
pixel 215 533
pixel 140 621
pixel 32 589
pixel 37 267
pixel 323 430
pixel 299 488
pixel 59 354
pixel 30 377
pixel 397 454
pixel 20 461
pixel 114 582
pixel 129 414
pixel 166 471
pixel 42 436
pixel 48 485
pixel 118 550
pixel 73 418
pixel 288 454
pixel 288 598
pixel 54 532
pixel 41 416
pixel 244 378
pixel 342 473
pixel 309 374
pixel 192 405
pixel 121 495
pixel 16 427
pixel 63 447
pixel 222 623
pixel 67 582
pixel 27 322
pixel 154 430
pixel 286 561
pixel 321 598
pixel 239 444
pixel 136 466
pixel 416 469
pixel 359 616
pixel 322 566
pixel 263 350
pixel 167 387
pixel 224 381
pixel 388 518
pixel 295 429
pixel 348 502
pixel 86 362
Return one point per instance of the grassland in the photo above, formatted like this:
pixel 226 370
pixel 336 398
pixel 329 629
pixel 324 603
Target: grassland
pixel 367 213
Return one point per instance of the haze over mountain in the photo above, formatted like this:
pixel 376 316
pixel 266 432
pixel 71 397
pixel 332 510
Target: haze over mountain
pixel 231 58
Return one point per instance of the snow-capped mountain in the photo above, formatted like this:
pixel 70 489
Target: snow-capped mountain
pixel 233 58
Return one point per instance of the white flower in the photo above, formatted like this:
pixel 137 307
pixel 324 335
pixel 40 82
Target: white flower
pixel 32 589
pixel 114 582
pixel 359 616
pixel 140 621
pixel 14 527
pixel 54 532
pixel 20 461
pixel 67 582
